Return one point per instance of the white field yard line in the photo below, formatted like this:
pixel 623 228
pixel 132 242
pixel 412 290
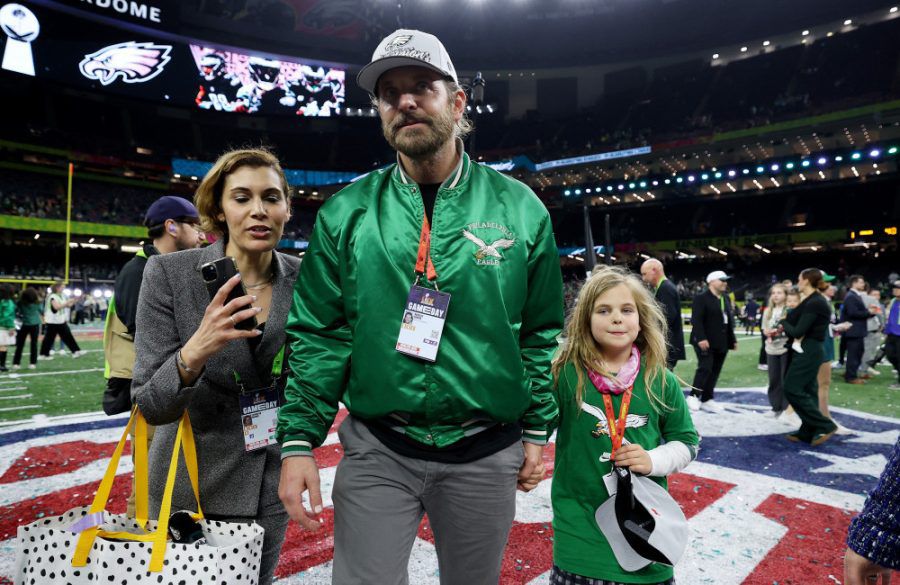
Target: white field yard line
pixel 9 408
pixel 17 376
pixel 11 388
pixel 16 396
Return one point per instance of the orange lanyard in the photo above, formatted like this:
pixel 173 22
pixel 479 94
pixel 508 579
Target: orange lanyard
pixel 616 426
pixel 424 257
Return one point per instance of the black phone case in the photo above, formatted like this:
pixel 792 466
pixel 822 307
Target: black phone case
pixel 225 270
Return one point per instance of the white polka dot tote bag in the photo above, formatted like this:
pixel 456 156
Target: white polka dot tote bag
pixel 88 545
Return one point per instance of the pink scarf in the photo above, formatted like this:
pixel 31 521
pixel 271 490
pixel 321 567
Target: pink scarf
pixel 623 380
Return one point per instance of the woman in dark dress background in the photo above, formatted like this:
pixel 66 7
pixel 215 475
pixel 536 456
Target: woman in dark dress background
pixel 808 321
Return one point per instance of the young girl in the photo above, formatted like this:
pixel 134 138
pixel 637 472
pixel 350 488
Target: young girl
pixel 793 301
pixel 776 348
pixel 615 353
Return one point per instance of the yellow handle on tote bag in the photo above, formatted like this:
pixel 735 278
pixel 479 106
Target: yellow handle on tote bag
pixel 184 438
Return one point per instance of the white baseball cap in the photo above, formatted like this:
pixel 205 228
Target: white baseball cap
pixel 716 275
pixel 642 523
pixel 402 48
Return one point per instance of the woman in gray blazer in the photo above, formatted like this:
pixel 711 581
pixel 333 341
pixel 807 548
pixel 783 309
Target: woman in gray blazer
pixel 191 356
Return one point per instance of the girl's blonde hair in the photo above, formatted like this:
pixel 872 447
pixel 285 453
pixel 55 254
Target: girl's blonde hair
pixel 772 289
pixel 583 351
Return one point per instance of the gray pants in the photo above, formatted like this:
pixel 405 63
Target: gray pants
pixel 871 344
pixel 271 516
pixel 777 368
pixel 380 498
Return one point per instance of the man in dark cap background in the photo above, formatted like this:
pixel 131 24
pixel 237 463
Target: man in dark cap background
pixel 172 226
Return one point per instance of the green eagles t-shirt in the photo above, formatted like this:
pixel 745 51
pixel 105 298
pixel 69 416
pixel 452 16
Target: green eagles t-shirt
pixel 578 489
pixel 31 314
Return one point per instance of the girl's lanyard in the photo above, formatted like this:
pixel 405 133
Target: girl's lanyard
pixel 616 426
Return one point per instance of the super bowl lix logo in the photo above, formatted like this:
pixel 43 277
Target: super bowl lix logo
pixel 130 62
pixel 21 27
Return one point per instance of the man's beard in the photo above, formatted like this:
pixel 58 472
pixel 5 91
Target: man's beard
pixel 422 142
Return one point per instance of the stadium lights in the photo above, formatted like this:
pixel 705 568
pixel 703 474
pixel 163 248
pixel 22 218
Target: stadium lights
pixel 621 187
pixel 805 33
pixel 567 192
pixel 718 175
pixel 704 176
pixel 760 169
pixel 743 49
pixel 893 10
pixel 679 180
pixel 746 171
pixel 848 22
pixel 690 178
pixel 856 156
pixel 37 236
pixel 667 182
pixel 715 55
pixel 805 163
pixel 766 43
pixel 892 150
pixel 609 188
pixel 631 185
pixel 875 153
pixel 107 294
pixel 78 292
pixel 789 166
pixel 838 158
pixel 578 191
pixel 643 184
pixel 587 190
pixel 97 293
pixel 775 167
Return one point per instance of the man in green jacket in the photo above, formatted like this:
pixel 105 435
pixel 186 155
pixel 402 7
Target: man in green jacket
pixel 428 303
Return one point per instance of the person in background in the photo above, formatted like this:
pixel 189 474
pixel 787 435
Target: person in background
pixel 824 375
pixel 172 225
pixel 855 312
pixel 653 274
pixel 56 307
pixel 776 348
pixel 29 309
pixel 7 323
pixel 874 327
pixel 892 332
pixel 712 335
pixel 751 313
pixel 808 322
pixel 873 539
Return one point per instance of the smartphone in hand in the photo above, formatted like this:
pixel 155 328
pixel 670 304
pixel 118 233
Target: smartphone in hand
pixel 215 274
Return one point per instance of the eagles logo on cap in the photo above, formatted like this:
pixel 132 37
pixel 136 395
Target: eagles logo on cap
pixel 405 48
pixel 398 41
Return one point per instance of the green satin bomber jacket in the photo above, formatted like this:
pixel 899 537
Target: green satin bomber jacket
pixel 505 312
